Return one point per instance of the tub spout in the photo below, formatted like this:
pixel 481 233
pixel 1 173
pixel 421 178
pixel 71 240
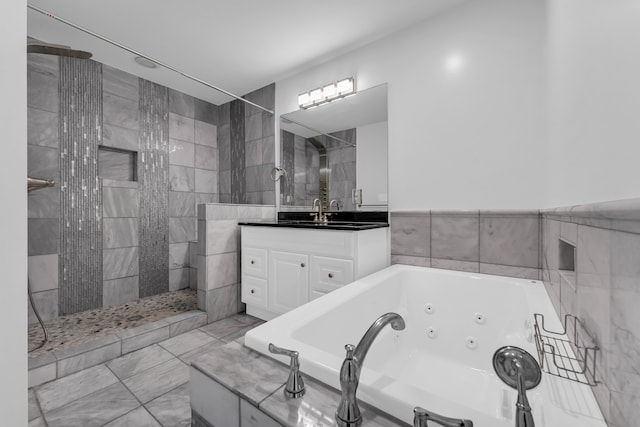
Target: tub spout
pixel 421 416
pixel 348 413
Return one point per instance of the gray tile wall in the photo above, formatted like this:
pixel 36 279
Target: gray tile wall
pixel 247 149
pixel 219 255
pixel 493 242
pixel 43 162
pixel 193 177
pixel 121 199
pixel 604 293
pixel 195 136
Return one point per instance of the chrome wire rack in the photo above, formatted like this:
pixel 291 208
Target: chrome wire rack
pixel 570 353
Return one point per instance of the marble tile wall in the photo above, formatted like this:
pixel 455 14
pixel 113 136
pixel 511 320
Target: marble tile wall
pixel 192 179
pixel 493 242
pixel 219 255
pixel 43 162
pixel 120 198
pixel 246 145
pixel 604 292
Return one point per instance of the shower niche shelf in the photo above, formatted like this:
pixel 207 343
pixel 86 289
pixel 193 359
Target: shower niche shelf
pixel 570 353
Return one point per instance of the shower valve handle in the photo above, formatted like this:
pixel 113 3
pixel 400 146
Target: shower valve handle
pixel 295 385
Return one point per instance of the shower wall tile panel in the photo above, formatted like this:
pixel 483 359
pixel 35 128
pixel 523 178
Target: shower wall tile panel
pixel 206 134
pixel 80 132
pixel 43 272
pixel 153 176
pixel 182 204
pixel 181 103
pixel 120 262
pixel 182 230
pixel 206 158
pixel 120 202
pixel 182 128
pixel 205 112
pixel 181 153
pixel 120 291
pixel 47 303
pixel 178 278
pixel 121 112
pixel 179 255
pixel 120 83
pixel 43 78
pixel 237 153
pixel 118 137
pixel 42 127
pixel 181 178
pixel 206 181
pixel 45 203
pixel 120 232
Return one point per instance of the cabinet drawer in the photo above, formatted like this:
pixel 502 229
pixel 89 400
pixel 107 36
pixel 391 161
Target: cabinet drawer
pixel 328 274
pixel 254 262
pixel 254 291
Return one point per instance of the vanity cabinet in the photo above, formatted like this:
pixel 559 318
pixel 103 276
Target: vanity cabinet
pixel 283 268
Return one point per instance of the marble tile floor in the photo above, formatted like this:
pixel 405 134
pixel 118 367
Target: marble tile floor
pixel 77 328
pixel 148 387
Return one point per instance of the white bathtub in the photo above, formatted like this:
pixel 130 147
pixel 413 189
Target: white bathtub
pixel 442 360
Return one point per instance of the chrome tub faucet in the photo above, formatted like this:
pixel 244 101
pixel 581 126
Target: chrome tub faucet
pixel 348 413
pixel 421 417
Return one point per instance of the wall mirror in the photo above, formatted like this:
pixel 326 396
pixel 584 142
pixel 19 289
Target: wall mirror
pixel 337 151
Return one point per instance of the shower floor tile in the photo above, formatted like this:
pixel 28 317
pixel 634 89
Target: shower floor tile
pixel 87 325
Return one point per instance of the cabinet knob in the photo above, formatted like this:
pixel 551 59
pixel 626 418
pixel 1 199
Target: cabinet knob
pixel 302 264
pixel 253 262
pixel 330 275
pixel 253 291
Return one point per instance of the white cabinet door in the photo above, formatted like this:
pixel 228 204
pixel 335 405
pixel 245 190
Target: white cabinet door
pixel 288 281
pixel 254 291
pixel 328 274
pixel 254 262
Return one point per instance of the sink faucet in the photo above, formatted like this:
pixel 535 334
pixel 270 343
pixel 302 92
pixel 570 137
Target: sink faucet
pixel 348 413
pixel 318 216
pixel 421 416
pixel 334 202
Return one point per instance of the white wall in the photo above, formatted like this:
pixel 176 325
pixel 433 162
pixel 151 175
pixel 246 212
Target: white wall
pixel 594 101
pixel 371 163
pixel 13 226
pixel 466 105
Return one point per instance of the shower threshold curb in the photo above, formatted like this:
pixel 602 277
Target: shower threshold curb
pixel 66 361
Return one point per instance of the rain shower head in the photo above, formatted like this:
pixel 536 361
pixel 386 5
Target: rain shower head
pixel 36 46
pixel 37 183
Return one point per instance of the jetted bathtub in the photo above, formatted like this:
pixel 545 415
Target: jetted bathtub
pixel 442 360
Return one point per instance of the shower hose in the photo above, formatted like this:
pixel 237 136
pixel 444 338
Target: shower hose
pixel 35 310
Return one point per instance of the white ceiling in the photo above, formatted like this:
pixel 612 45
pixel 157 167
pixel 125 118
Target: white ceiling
pixel 237 45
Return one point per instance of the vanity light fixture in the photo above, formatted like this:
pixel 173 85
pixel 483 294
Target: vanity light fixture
pixel 327 93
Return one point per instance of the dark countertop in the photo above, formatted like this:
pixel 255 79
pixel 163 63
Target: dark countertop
pixel 331 225
pixel 350 221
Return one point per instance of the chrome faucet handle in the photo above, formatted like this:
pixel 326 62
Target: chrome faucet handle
pixel 421 416
pixel 295 385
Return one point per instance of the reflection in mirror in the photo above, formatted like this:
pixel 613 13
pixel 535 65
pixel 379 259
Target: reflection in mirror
pixel 337 151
